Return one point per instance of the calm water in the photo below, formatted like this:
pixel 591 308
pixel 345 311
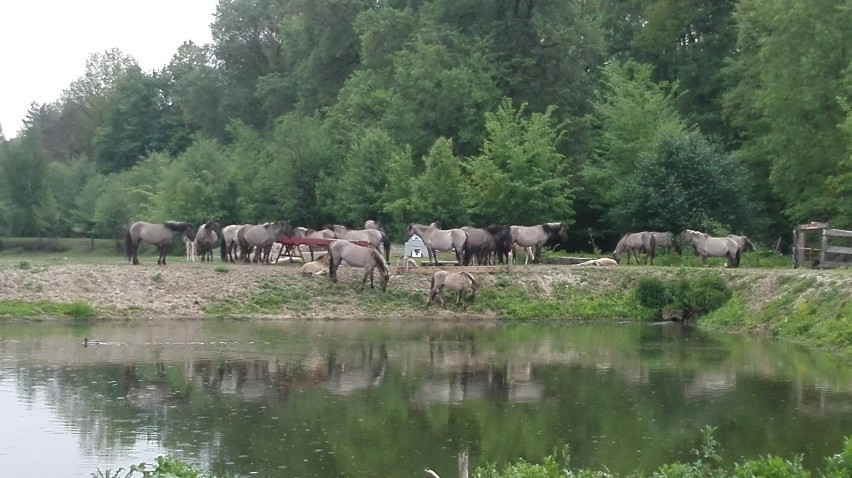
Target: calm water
pixel 324 399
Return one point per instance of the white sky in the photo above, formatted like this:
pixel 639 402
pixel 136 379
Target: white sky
pixel 44 43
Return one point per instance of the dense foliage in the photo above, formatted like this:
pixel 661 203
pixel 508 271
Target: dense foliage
pixel 725 116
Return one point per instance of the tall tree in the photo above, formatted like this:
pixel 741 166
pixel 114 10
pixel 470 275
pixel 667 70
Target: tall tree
pixel 439 192
pixel 138 120
pixel 683 181
pixel 24 162
pixel 520 177
pixel 792 66
pixel 688 42
pixel 356 192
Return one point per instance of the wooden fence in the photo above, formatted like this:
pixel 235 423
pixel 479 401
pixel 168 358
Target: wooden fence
pixel 817 245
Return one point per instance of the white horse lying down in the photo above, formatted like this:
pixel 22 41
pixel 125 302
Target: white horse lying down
pixel 603 262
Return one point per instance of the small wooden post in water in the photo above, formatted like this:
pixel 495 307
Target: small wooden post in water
pixel 463 462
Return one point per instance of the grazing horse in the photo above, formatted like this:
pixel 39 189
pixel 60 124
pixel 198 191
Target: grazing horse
pixel 261 238
pixel 550 234
pixel 666 241
pixel 438 240
pixel 207 235
pixel 161 235
pixel 373 237
pixel 229 246
pixel 463 282
pixel 634 243
pixel 357 256
pixel 709 246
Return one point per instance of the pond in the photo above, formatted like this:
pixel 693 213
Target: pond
pixel 359 399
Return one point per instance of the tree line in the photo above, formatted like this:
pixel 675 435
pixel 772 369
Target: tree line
pixel 607 115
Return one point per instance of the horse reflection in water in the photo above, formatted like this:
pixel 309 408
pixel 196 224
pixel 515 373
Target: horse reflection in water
pixel 161 235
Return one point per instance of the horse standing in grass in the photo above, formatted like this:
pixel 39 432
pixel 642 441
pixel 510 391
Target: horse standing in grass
pixel 357 256
pixel 634 243
pixel 481 245
pixel 463 282
pixel 709 246
pixel 744 243
pixel 550 234
pixel 261 237
pixel 191 249
pixel 373 237
pixel 161 235
pixel 437 240
pixel 666 241
pixel 207 235
pixel 229 246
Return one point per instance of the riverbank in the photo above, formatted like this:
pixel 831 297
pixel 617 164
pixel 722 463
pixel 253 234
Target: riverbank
pixel 810 306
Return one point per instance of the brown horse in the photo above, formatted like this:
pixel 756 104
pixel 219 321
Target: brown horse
pixel 463 282
pixel 357 256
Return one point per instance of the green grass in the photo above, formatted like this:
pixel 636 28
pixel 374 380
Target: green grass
pixel 35 310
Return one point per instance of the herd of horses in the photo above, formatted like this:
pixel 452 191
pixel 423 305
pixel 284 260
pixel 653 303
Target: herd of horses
pixel 730 247
pixel 470 245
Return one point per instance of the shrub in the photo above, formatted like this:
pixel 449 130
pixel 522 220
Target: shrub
pixel 705 294
pixel 695 297
pixel 654 293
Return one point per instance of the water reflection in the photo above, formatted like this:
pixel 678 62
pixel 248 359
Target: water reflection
pixel 358 399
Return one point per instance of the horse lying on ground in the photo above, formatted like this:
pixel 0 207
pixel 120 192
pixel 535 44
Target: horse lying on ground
pixel 463 282
pixel 357 256
pixel 161 235
pixel 315 268
pixel 603 262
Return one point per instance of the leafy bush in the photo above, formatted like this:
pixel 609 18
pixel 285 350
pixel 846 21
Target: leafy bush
pixel 654 293
pixel 695 297
pixel 705 294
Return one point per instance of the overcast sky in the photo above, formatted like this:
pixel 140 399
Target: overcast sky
pixel 44 43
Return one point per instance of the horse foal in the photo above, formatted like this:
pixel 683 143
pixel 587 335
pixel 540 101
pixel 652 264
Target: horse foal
pixel 463 282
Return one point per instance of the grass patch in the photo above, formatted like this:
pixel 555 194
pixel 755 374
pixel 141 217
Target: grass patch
pixel 222 269
pixel 31 310
pixel 157 278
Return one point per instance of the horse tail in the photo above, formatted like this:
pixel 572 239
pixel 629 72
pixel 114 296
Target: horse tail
pixel 223 247
pixel 387 245
pixel 466 250
pixel 652 248
pixel 737 257
pixel 332 273
pixel 128 245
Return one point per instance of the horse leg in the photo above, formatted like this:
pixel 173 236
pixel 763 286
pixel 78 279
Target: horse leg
pixel 134 253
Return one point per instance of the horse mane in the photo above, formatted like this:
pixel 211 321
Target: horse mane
pixel 380 261
pixel 473 282
pixel 618 247
pixel 177 226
